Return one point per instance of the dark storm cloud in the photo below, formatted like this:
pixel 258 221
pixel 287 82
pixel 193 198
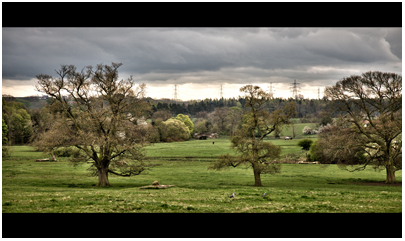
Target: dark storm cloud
pixel 181 55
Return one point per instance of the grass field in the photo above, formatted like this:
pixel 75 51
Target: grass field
pixel 57 187
pixel 205 149
pixel 288 130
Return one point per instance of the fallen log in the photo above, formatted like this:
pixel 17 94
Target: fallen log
pixel 156 186
pixel 43 160
pixel 47 159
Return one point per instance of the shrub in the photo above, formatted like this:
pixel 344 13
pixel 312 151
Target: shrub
pixel 64 152
pixel 5 152
pixel 176 130
pixel 152 133
pixel 315 152
pixel 325 128
pixel 162 129
pixel 305 144
pixel 186 120
pixel 307 130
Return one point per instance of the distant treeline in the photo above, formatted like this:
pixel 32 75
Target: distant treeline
pixel 311 107
pixel 304 106
pixel 24 117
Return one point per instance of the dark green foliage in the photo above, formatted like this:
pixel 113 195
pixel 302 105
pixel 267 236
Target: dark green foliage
pixel 325 118
pixel 17 120
pixel 305 144
pixel 312 107
pixel 5 151
pixel 4 132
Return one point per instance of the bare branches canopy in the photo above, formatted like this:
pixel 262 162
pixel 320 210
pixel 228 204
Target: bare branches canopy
pixel 371 121
pixel 252 150
pixel 98 114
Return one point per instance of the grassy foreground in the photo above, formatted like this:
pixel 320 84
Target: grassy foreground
pixel 56 187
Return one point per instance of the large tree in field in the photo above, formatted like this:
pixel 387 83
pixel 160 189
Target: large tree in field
pixel 371 125
pixel 252 150
pixel 98 115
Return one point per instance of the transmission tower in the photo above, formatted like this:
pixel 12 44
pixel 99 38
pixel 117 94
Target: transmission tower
pixel 175 92
pixel 295 89
pixel 221 94
pixel 319 95
pixel 271 90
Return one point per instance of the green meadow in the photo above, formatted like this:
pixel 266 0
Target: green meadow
pixel 57 187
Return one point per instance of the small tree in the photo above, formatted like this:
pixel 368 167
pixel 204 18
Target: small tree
pixel 305 144
pixel 97 114
pixel 253 151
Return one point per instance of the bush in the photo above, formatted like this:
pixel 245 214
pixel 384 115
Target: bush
pixel 305 144
pixel 152 133
pixel 315 152
pixel 186 120
pixel 307 130
pixel 176 130
pixel 325 128
pixel 66 152
pixel 5 151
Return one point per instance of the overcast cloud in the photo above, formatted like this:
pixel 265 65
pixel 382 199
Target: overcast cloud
pixel 200 59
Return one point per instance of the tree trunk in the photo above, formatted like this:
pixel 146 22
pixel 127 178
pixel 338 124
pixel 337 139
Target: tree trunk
pixel 390 174
pixel 103 176
pixel 258 181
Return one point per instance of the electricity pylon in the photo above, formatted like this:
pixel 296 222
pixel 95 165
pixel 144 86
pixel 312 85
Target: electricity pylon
pixel 295 89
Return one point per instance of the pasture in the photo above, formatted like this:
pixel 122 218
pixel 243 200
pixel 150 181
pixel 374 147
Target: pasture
pixel 57 187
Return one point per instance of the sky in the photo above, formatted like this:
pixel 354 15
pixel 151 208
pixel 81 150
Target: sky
pixel 200 60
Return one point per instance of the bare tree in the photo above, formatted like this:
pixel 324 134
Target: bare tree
pixel 371 105
pixel 220 116
pixel 98 116
pixel 254 151
pixel 162 114
pixel 234 118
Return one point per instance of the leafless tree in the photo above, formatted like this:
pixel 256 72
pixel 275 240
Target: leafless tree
pixel 98 116
pixel 371 108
